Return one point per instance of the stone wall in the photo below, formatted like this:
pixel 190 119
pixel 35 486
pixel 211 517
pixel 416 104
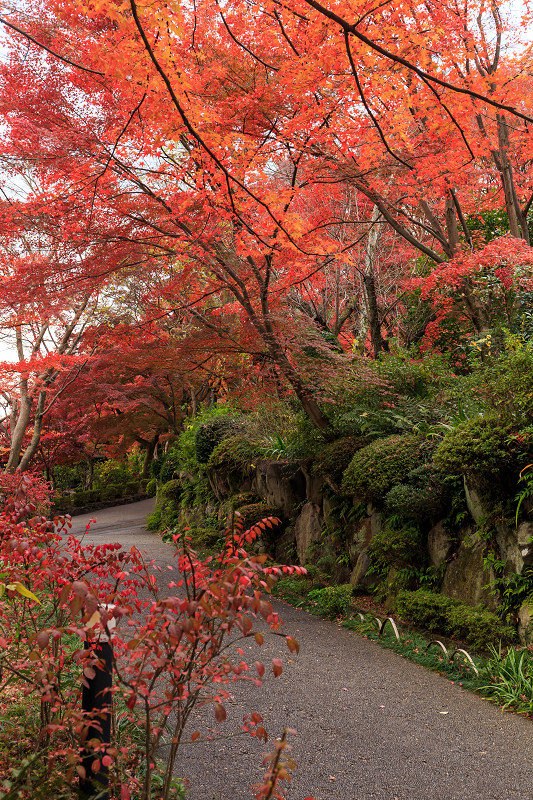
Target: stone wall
pixel 322 528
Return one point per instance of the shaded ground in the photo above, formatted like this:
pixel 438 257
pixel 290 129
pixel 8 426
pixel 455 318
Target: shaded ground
pixel 370 725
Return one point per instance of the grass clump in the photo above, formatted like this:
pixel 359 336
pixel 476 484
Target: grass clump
pixel 510 679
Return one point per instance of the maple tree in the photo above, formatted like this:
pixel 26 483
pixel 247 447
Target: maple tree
pixel 207 134
pixel 43 319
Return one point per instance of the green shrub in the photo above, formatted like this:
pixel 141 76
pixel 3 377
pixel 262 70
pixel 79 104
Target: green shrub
pixel 234 454
pixel 379 466
pixel 171 490
pixel 424 495
pixel 170 466
pixel 334 457
pixel 510 679
pixel 151 487
pixel 477 449
pixel 211 433
pixel 475 626
pixel 131 487
pixel 426 609
pixel 293 590
pixel 331 601
pixel 153 520
pixel 399 548
pixel 110 492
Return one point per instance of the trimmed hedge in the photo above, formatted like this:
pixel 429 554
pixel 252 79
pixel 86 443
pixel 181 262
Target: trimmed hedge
pixel 422 496
pixel 477 448
pixel 437 613
pixel 379 466
pixel 110 491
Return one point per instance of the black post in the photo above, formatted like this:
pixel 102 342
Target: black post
pixel 97 698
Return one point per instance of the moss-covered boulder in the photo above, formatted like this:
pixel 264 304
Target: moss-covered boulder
pixel 467 576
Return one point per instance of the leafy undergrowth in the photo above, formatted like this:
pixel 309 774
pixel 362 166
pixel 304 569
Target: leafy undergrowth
pixel 59 599
pixel 310 593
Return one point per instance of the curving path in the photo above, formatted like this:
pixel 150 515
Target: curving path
pixel 370 725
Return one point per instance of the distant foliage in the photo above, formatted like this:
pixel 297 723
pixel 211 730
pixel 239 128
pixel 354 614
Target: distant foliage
pixel 410 376
pixel 379 466
pixel 506 383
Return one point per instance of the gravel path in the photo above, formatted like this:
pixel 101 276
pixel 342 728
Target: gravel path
pixel 370 725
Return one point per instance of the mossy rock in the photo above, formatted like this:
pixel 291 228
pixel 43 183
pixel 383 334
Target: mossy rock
pixel 234 454
pixel 379 466
pixel 244 499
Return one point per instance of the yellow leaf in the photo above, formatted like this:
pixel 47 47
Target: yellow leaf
pixel 21 589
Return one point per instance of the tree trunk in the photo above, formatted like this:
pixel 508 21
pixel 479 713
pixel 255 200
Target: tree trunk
pixel 23 420
pixel 369 285
pixel 149 455
pixel 36 436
